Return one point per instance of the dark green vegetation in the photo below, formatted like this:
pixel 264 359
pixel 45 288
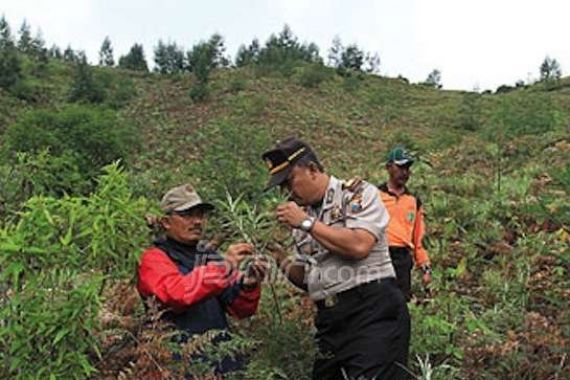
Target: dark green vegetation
pixel 494 174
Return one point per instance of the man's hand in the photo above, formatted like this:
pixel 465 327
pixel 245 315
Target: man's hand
pixel 426 277
pixel 426 273
pixel 256 271
pixel 236 253
pixel 291 214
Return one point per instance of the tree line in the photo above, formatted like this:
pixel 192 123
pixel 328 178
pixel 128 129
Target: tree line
pixel 281 52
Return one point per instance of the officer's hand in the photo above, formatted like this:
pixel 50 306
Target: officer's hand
pixel 256 271
pixel 291 214
pixel 426 277
pixel 236 253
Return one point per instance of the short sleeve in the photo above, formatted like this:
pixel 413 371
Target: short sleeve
pixel 364 210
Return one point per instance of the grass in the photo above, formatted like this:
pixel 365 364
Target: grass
pixel 500 258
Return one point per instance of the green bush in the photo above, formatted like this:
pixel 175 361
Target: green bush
pixel 85 87
pixel 524 113
pixel 237 84
pixel 230 158
pixel 99 231
pixel 48 330
pixel 56 259
pixel 351 83
pixel 246 105
pixel 119 89
pixel 29 90
pixel 313 75
pixel 10 66
pixel 35 174
pixel 199 92
pixel 91 137
pixel 469 114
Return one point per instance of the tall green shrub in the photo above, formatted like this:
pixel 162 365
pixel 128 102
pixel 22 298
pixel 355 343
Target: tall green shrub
pixel 56 259
pixel 91 137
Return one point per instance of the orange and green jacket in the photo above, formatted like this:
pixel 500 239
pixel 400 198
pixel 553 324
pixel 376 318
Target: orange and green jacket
pixel 406 227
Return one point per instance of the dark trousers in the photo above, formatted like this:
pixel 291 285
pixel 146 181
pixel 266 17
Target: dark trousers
pixel 365 335
pixel 403 264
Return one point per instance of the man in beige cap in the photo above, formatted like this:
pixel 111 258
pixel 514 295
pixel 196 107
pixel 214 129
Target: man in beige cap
pixel 196 284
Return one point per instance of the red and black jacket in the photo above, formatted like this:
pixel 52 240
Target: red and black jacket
pixel 195 285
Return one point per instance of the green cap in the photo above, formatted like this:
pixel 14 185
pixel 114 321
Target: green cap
pixel 400 157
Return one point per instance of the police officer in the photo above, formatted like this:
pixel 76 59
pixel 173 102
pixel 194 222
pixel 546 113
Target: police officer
pixel 342 260
pixel 406 228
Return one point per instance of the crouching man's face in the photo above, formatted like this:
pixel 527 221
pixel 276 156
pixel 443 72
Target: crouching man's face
pixel 185 226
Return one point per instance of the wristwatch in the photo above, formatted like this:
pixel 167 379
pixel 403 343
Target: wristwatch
pixel 307 224
pixel 426 269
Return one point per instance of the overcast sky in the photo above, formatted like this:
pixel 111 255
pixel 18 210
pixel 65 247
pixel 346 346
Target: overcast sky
pixel 474 43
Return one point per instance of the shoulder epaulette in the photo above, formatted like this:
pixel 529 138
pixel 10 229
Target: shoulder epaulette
pixel 353 184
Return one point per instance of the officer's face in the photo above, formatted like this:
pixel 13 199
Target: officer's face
pixel 302 185
pixel 185 226
pixel 399 175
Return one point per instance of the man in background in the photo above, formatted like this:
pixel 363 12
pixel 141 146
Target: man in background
pixel 406 227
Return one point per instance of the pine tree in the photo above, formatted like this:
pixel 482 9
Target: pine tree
pixel 433 79
pixel 134 59
pixel 284 52
pixel 372 63
pixel 6 38
pixel 106 53
pixel 25 41
pixel 69 55
pixel 550 70
pixel 168 58
pixel 335 52
pixel 248 55
pixel 84 87
pixel 351 59
pixel 55 52
pixel 202 59
pixel 218 47
pixel 10 66
pixel 37 45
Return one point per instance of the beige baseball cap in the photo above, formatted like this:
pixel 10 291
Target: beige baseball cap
pixel 182 198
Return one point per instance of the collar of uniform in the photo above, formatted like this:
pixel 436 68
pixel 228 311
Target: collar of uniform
pixel 384 187
pixel 335 185
pixel 333 188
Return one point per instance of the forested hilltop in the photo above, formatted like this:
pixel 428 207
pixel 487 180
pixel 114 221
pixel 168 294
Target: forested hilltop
pixel 87 149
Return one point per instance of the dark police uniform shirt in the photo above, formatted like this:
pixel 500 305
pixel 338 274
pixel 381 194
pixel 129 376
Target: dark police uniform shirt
pixel 348 206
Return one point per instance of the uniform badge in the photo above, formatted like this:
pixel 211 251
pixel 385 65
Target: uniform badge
pixel 355 207
pixel 356 203
pixel 335 213
pixel 411 216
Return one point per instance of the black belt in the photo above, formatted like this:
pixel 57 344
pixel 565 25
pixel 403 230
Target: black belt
pixel 335 299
